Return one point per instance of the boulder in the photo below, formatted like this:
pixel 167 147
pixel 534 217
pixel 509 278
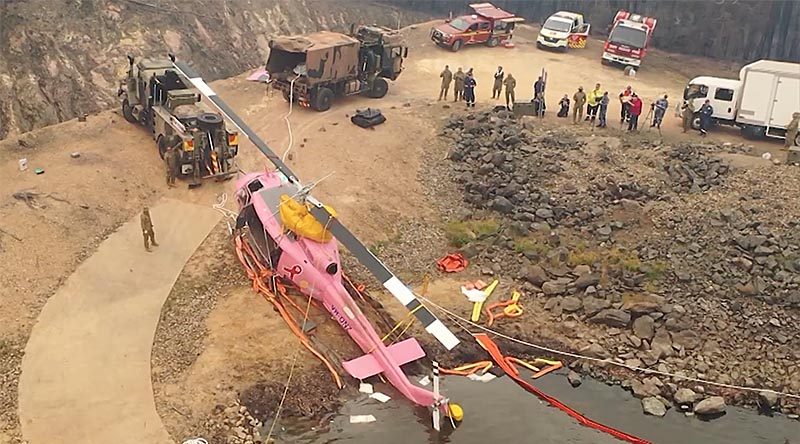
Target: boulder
pixel 686 338
pixel 571 304
pixel 587 280
pixel 502 205
pixel 594 351
pixel 661 345
pixel 592 305
pixel 574 378
pixel 581 270
pixel 612 317
pixel 685 396
pixel 767 400
pixel 536 275
pixel 652 406
pixel 643 303
pixel 551 288
pixel 710 406
pixel 644 327
pixel 644 389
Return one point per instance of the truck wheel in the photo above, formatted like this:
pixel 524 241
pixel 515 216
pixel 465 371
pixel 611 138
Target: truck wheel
pixel 494 41
pixel 754 132
pixel 379 88
pixel 162 145
pixel 127 112
pixel 696 122
pixel 797 140
pixel 457 45
pixel 323 99
pixel 209 121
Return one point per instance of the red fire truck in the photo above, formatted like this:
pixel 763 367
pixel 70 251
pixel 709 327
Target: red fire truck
pixel 489 25
pixel 627 42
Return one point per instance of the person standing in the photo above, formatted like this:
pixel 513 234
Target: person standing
pixel 624 102
pixel 498 83
pixel 170 164
pixel 660 109
pixel 147 229
pixel 593 102
pixel 635 112
pixel 791 131
pixel 458 85
pixel 510 82
pixel 603 109
pixel 687 112
pixel 706 111
pixel 563 106
pixel 469 89
pixel 577 111
pixel 447 77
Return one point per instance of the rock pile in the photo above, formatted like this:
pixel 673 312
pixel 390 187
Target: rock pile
pixel 691 170
pixel 234 424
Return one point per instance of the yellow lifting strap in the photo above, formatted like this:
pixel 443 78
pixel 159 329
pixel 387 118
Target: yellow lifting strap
pixel 296 217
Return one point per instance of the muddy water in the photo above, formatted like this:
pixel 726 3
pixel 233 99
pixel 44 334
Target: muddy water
pixel 499 411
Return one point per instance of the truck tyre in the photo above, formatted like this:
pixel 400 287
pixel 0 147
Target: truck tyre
pixel 209 121
pixel 797 140
pixel 379 88
pixel 457 45
pixel 492 42
pixel 162 145
pixel 696 122
pixel 753 131
pixel 127 112
pixel 323 99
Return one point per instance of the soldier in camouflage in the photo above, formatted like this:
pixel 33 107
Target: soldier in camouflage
pixel 147 229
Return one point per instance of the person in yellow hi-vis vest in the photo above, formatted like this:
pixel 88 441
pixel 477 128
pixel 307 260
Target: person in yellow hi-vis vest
pixel 593 102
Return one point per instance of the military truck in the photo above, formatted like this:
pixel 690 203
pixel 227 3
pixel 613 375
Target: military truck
pixel 313 69
pixel 154 96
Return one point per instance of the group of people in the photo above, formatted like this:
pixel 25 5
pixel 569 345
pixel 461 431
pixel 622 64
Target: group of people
pixel 464 86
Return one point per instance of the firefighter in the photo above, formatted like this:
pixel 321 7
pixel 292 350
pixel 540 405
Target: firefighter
pixel 577 110
pixel 791 131
pixel 497 88
pixel 170 161
pixel 706 111
pixel 147 229
pixel 469 89
pixel 687 114
pixel 625 106
pixel 593 102
pixel 510 82
pixel 563 106
pixel 603 110
pixel 659 109
pixel 458 85
pixel 635 110
pixel 538 87
pixel 447 77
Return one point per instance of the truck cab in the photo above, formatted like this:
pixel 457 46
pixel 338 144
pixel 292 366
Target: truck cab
pixel 723 94
pixel 628 40
pixel 487 25
pixel 563 30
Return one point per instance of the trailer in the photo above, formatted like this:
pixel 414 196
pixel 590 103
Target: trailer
pixel 761 102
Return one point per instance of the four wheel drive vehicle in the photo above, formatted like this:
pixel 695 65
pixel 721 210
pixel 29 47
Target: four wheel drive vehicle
pixel 564 30
pixel 313 69
pixel 488 25
pixel 761 102
pixel 154 96
pixel 628 40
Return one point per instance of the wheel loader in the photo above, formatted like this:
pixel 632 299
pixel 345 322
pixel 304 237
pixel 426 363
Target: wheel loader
pixel 154 96
pixel 313 69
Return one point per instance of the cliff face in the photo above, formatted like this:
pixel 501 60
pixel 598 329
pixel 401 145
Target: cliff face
pixel 743 30
pixel 62 58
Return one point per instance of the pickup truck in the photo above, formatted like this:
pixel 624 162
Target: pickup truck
pixel 563 30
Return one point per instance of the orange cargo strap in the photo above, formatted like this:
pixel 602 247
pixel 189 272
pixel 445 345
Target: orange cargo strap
pixel 497 356
pixel 452 263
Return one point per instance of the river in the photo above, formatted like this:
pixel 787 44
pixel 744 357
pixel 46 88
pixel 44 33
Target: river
pixel 500 411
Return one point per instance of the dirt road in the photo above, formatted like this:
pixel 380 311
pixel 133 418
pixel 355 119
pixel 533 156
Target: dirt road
pixel 86 371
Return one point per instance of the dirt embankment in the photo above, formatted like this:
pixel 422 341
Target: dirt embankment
pixel 60 59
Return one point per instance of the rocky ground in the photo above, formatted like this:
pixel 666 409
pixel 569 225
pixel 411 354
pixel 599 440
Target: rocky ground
pixel 653 255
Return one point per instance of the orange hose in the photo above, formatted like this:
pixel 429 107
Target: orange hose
pixel 260 287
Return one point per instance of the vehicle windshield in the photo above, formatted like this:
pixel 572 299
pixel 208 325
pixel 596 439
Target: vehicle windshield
pixel 623 35
pixel 460 24
pixel 695 91
pixel 557 25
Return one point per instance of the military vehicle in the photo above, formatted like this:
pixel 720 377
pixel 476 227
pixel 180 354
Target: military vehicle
pixel 315 68
pixel 154 96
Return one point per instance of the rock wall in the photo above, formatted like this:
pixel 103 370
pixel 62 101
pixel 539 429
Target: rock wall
pixel 62 58
pixel 728 29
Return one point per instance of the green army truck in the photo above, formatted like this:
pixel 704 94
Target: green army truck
pixel 154 96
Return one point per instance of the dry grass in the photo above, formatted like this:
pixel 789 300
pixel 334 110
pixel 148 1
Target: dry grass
pixel 461 233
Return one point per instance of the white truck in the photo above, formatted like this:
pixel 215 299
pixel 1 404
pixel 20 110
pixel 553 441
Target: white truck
pixel 761 102
pixel 563 30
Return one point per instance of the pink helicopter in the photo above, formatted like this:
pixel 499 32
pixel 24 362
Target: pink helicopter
pixel 298 238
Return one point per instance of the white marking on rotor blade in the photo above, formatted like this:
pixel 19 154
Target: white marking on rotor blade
pixel 445 336
pixel 202 86
pixel 399 290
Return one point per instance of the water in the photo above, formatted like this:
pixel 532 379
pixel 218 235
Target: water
pixel 500 411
